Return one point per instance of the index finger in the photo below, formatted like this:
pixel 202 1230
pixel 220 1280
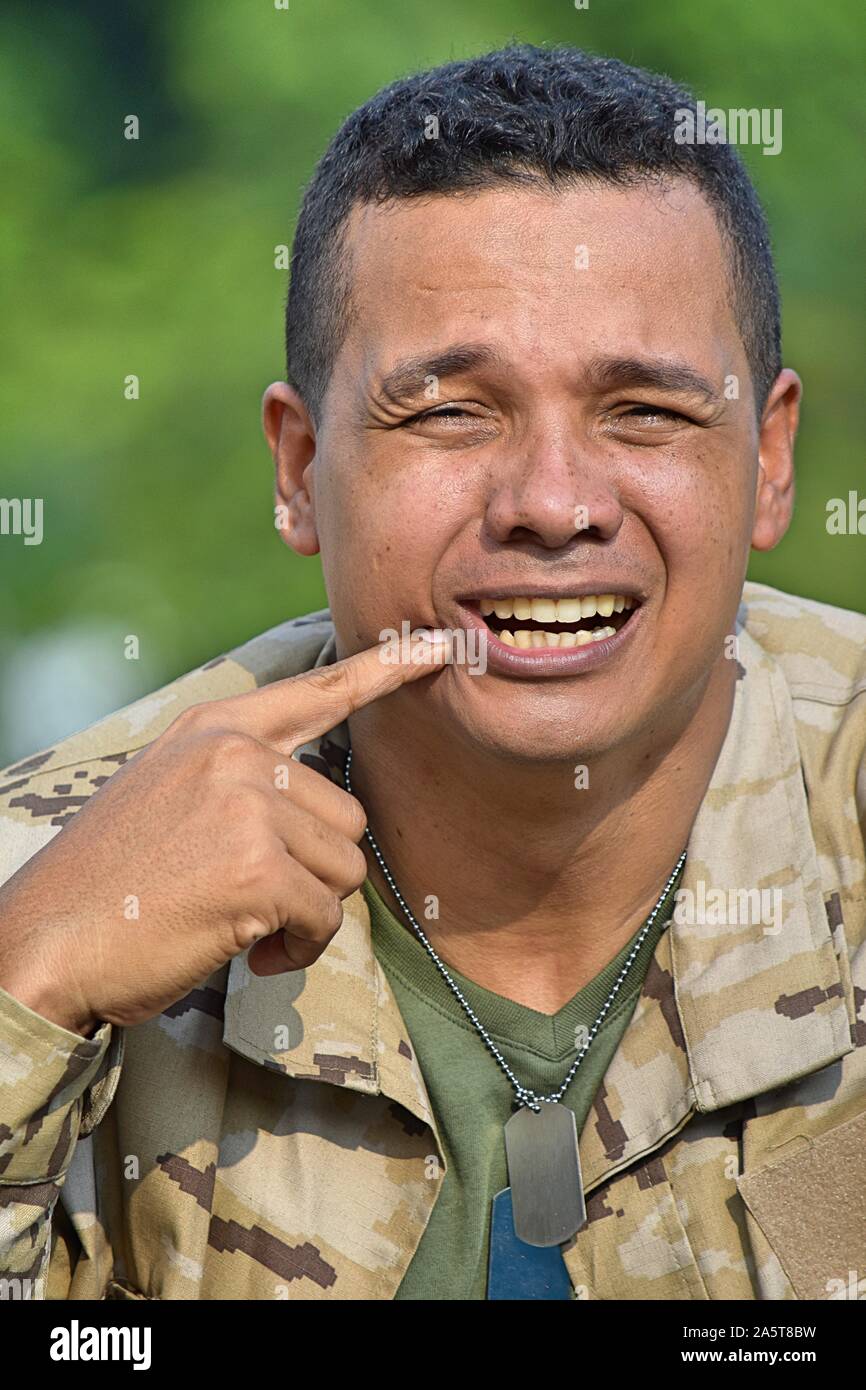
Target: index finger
pixel 291 712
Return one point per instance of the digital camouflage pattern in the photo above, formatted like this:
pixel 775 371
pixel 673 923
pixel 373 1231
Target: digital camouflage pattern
pixel 270 1138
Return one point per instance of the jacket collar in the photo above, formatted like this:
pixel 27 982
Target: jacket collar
pixel 727 1011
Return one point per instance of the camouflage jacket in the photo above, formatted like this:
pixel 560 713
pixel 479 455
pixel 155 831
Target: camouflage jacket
pixel 273 1138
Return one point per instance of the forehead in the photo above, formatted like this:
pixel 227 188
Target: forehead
pixel 545 275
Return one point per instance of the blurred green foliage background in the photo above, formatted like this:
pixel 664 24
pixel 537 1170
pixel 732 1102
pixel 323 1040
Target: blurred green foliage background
pixel 156 257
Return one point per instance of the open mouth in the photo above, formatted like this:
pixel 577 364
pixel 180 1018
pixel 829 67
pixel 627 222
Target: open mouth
pixel 556 622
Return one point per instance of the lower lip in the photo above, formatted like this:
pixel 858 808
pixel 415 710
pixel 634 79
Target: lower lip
pixel 538 663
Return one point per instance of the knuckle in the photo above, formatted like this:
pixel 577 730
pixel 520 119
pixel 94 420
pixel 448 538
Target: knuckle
pixel 356 816
pixel 334 679
pixel 327 911
pixel 230 744
pixel 357 866
pixel 225 749
pixel 313 913
pixel 255 868
pixel 242 806
pixel 190 720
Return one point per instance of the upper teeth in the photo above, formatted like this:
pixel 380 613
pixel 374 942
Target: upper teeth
pixel 557 610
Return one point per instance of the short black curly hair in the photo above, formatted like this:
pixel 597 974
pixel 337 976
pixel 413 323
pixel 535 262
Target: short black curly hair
pixel 521 114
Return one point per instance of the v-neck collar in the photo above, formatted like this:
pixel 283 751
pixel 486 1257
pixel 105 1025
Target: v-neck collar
pixel 523 1028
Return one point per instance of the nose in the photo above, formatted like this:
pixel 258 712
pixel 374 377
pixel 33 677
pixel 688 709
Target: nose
pixel 552 493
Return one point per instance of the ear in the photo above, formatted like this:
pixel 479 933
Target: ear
pixel 774 498
pixel 291 437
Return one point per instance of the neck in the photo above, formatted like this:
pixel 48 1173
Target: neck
pixel 537 895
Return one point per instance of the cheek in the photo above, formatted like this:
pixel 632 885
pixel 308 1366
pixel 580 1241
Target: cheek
pixel 380 544
pixel 699 513
pixel 705 570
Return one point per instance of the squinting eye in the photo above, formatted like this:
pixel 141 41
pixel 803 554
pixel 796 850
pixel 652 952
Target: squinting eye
pixel 656 423
pixel 444 412
pixel 650 412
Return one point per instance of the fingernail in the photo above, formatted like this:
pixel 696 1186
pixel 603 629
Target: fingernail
pixel 435 638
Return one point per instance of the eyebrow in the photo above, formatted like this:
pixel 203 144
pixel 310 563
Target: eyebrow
pixel 409 377
pixel 605 373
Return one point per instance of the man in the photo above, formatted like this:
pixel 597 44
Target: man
pixel 250 1050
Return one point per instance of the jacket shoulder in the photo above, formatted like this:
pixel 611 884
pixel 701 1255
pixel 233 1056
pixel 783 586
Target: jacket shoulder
pixel 39 793
pixel 820 649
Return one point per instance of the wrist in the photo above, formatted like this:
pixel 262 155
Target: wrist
pixel 44 1001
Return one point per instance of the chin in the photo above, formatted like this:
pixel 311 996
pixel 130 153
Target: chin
pixel 538 737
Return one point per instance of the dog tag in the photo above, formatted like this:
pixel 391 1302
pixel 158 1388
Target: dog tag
pixel 517 1270
pixel 544 1173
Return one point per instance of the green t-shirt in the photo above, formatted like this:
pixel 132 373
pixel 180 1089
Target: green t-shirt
pixel 470 1094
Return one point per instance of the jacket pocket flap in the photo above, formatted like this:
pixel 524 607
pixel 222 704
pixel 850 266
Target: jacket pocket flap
pixel 812 1209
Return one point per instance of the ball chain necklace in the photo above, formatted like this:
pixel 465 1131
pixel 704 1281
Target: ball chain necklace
pixel 546 1187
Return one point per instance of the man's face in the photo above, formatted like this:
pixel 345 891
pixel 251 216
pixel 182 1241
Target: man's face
pixel 580 455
